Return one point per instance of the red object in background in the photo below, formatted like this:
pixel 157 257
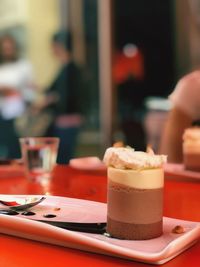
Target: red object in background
pixel 181 200
pixel 126 66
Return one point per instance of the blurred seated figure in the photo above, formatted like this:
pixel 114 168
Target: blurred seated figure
pixel 128 74
pixel 16 89
pixel 64 97
pixel 185 111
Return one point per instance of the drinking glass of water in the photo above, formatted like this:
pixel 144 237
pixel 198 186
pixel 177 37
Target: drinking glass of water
pixel 39 155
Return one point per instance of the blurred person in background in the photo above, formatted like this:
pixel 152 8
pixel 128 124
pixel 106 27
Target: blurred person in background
pixel 185 111
pixel 64 98
pixel 128 74
pixel 16 90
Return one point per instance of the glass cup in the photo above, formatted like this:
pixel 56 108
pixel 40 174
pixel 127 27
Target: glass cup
pixel 39 156
pixel 135 203
pixel 191 148
pixel 191 155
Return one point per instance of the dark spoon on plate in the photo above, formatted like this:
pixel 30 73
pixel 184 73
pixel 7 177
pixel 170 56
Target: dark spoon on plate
pixel 95 228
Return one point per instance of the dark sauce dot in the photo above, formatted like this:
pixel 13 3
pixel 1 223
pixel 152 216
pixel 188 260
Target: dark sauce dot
pixel 49 215
pixel 9 212
pixel 28 213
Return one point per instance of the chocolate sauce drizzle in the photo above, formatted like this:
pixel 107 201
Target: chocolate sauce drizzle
pixel 25 213
pixel 28 213
pixel 49 215
pixel 9 212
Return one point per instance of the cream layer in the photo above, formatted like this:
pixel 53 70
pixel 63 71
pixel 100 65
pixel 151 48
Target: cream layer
pixel 191 147
pixel 192 134
pixel 139 179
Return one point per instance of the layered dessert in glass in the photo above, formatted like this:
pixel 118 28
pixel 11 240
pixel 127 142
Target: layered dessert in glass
pixel 191 149
pixel 135 193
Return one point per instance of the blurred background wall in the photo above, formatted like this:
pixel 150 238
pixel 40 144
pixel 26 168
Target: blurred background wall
pixel 33 23
pixel 42 20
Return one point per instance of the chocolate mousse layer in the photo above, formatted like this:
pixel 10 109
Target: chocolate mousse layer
pixel 192 161
pixel 131 231
pixel 134 213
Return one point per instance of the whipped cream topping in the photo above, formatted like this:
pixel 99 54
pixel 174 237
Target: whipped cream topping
pixel 128 158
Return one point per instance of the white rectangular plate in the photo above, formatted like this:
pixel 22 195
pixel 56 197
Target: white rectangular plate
pixel 155 251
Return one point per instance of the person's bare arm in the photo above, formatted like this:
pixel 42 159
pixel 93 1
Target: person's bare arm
pixel 171 140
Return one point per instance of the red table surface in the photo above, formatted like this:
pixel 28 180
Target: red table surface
pixel 181 200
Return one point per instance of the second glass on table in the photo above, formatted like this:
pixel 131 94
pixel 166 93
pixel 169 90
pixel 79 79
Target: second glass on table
pixel 39 155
